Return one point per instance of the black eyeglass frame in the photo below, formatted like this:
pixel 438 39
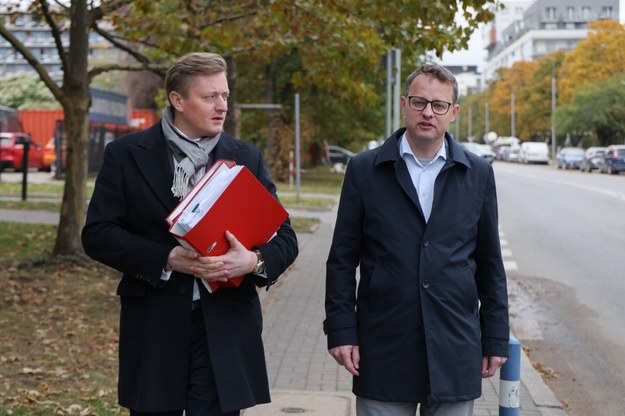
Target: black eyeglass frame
pixel 448 104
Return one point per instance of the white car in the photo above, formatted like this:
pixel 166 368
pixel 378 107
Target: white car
pixel 534 152
pixel 482 150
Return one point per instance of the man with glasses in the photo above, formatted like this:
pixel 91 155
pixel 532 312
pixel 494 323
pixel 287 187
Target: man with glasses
pixel 427 318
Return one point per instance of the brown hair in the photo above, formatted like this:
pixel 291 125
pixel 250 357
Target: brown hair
pixel 439 72
pixel 192 64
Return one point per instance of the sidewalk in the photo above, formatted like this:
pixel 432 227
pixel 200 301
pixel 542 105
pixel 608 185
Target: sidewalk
pixel 304 379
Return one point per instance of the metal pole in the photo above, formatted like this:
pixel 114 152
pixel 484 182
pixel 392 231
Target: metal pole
pixel 512 120
pixel 396 98
pixel 389 91
pixel 26 149
pixel 510 381
pixel 486 119
pixel 297 150
pixel 469 124
pixel 553 111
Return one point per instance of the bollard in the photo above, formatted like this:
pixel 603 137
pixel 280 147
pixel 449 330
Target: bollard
pixel 510 381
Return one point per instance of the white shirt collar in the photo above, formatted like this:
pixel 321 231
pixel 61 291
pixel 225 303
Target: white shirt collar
pixel 404 149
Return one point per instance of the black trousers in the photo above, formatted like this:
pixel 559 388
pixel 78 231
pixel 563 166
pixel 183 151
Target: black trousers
pixel 202 399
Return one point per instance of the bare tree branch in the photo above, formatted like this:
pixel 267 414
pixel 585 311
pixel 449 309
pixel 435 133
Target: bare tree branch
pixel 56 31
pixel 120 45
pixel 108 7
pixel 156 68
pixel 34 62
pixel 231 17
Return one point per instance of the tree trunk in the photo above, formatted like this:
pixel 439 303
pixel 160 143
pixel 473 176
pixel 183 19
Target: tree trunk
pixel 76 102
pixel 76 125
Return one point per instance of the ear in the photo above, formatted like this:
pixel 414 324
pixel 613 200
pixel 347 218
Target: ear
pixel 454 111
pixel 176 100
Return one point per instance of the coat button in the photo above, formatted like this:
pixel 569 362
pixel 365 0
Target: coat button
pixel 426 243
pixel 181 290
pixel 425 284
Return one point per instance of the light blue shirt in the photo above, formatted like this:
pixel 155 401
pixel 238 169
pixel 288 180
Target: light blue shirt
pixel 423 177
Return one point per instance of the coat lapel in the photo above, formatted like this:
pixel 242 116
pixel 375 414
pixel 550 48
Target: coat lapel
pixel 151 158
pixel 389 152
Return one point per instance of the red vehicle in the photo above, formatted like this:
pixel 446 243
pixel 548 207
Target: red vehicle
pixel 12 152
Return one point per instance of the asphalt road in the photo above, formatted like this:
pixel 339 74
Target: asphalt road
pixel 566 232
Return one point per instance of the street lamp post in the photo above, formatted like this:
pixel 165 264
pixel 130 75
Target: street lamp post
pixel 512 119
pixel 470 124
pixel 486 119
pixel 553 111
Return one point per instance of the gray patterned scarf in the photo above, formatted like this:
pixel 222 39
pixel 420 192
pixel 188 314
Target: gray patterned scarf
pixel 191 155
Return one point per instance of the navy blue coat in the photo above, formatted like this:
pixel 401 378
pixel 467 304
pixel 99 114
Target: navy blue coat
pixel 431 299
pixel 126 229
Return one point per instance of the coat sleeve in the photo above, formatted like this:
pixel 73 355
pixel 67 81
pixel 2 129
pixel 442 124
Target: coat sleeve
pixel 282 250
pixel 491 278
pixel 340 324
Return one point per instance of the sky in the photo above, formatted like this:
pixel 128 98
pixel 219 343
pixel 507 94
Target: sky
pixel 473 56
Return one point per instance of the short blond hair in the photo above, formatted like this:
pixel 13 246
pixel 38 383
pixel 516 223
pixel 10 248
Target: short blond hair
pixel 192 64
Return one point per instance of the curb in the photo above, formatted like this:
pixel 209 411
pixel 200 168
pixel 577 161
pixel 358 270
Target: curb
pixel 539 392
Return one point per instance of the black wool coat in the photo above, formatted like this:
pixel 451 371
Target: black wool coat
pixel 126 230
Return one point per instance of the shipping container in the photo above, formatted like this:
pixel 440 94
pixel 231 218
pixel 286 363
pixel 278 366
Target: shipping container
pixel 142 118
pixel 40 124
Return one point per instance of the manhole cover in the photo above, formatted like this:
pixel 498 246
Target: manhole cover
pixel 292 410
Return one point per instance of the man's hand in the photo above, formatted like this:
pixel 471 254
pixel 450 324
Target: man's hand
pixel 348 356
pixel 238 261
pixel 491 364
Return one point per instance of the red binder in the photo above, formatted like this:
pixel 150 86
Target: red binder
pixel 242 205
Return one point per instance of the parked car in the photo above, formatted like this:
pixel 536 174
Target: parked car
pixel 339 155
pixel 534 152
pixel 592 158
pixel 12 152
pixel 569 158
pixel 513 153
pixel 49 155
pixel 482 150
pixel 613 160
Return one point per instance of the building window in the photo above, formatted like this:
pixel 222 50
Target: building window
pixel 570 13
pixel 550 13
pixel 606 12
pixel 586 12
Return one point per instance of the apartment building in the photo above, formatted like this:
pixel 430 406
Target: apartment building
pixel 545 26
pixel 36 36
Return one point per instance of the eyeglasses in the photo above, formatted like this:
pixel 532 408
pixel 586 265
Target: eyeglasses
pixel 438 107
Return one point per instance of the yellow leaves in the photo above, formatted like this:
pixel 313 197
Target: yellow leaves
pixel 599 56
